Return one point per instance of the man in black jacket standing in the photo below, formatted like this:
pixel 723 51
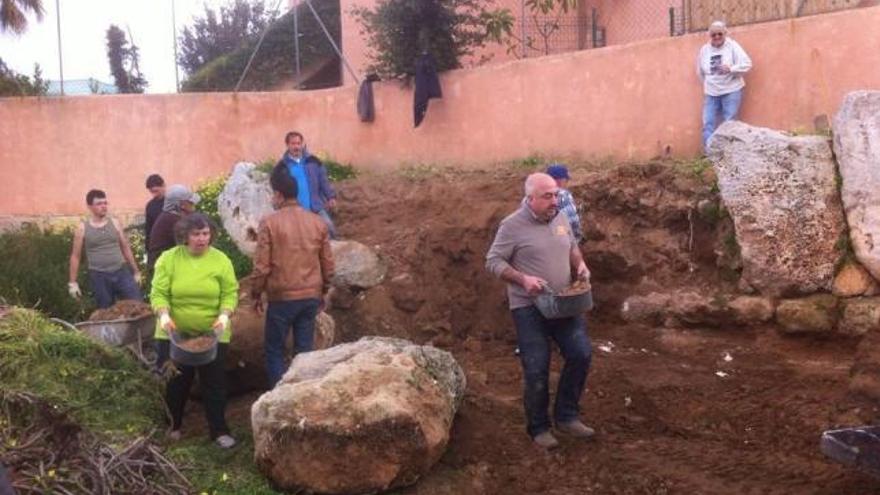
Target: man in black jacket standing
pixel 156 186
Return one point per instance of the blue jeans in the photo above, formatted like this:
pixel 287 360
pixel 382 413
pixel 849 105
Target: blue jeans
pixel 280 316
pixel 110 287
pixel 533 333
pixel 329 221
pixel 727 105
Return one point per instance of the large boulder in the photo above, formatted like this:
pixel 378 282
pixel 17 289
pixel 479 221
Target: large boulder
pixel 651 308
pixel 245 199
pixel 699 309
pixel 781 192
pixel 357 266
pixel 362 417
pixel 857 147
pixel 693 308
pixel 860 316
pixel 752 310
pixel 816 314
pixel 852 280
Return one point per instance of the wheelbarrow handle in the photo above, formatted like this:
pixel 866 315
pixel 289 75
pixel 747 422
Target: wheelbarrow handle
pixel 64 323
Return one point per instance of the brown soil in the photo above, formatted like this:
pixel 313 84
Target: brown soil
pixel 196 344
pixel 673 415
pixel 122 310
pixel 576 288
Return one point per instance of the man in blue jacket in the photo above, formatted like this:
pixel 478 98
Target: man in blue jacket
pixel 315 193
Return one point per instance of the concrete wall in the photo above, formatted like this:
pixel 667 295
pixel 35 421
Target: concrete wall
pixel 628 102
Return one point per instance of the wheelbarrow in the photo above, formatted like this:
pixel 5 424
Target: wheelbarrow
pixel 857 447
pixel 135 334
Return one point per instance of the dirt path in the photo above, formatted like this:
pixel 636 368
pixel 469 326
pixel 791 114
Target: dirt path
pixel 667 423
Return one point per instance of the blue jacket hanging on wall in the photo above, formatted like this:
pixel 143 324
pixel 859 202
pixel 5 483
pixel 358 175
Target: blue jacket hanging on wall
pixel 427 86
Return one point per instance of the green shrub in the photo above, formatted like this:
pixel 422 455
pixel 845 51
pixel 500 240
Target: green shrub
pixel 33 272
pixel 102 387
pixel 209 192
pixel 399 31
pixel 337 171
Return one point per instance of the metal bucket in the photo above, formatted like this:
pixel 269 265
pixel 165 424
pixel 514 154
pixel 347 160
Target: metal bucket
pixel 192 358
pixel 554 306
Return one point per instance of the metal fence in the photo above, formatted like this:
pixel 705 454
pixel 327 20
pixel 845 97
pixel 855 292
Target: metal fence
pixel 598 23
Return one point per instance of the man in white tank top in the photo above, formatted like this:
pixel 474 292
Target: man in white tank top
pixel 107 253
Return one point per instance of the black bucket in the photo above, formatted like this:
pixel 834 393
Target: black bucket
pixel 554 306
pixel 192 358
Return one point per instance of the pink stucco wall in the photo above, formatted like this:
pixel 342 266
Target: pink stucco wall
pixel 628 102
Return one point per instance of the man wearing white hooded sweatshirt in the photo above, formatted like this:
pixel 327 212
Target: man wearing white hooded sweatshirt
pixel 721 65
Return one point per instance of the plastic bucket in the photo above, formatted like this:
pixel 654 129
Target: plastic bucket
pixel 193 350
pixel 554 306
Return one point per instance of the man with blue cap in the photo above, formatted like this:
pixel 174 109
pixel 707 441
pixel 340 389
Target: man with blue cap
pixel 566 201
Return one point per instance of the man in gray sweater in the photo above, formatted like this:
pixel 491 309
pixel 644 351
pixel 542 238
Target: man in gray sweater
pixel 533 249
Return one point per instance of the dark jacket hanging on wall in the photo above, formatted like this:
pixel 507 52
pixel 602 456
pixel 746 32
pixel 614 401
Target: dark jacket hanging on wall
pixel 366 111
pixel 427 86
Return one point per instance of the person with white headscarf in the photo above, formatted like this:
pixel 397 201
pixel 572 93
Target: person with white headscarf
pixel 721 64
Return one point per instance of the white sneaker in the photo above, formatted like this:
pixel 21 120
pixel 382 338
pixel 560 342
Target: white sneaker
pixel 225 441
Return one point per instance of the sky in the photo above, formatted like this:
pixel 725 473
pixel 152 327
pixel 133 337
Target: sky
pixel 84 24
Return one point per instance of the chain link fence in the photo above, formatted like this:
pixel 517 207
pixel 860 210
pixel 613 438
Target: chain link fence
pixel 599 23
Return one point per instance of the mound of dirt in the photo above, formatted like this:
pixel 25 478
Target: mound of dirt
pixel 197 344
pixel 127 309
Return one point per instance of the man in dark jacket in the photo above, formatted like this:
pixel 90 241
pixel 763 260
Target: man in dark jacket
pixel 179 202
pixel 315 193
pixel 156 186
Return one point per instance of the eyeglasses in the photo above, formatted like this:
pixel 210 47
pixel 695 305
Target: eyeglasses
pixel 715 35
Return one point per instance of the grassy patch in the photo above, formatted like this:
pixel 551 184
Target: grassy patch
pixel 337 171
pixel 104 389
pixel 697 167
pixel 419 172
pixel 533 161
pixel 845 251
pixel 215 471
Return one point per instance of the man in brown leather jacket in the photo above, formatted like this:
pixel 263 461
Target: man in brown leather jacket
pixel 293 265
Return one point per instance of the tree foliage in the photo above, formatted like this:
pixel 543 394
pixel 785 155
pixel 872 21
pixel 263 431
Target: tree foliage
pixel 275 60
pixel 543 17
pixel 398 31
pixel 123 57
pixel 15 84
pixel 13 17
pixel 219 33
